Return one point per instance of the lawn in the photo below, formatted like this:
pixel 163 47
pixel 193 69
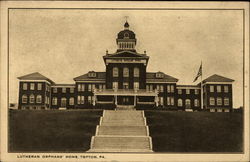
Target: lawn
pixel 195 131
pixel 52 130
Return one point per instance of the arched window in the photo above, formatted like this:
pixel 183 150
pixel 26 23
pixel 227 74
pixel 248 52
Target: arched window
pixel 63 102
pixel 71 101
pixel 136 72
pixel 125 72
pixel 196 103
pixel 54 101
pixel 180 102
pixel 38 99
pixel 24 99
pixel 115 72
pixel 188 103
pixel 32 98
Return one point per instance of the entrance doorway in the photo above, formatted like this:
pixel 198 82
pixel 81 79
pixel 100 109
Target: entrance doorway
pixel 125 100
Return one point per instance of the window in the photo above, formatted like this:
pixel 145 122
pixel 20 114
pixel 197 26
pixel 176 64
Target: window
pixel 136 85
pixel 180 102
pixel 32 98
pixel 211 101
pixel 115 72
pixel 89 99
pixel 172 101
pixel 159 75
pixel 168 88
pixel 125 85
pixel 196 91
pixel 100 87
pixel 32 86
pixel 187 91
pixel 78 99
pixel 151 88
pixel 226 89
pixel 39 86
pixel 64 90
pixel 136 72
pixel 219 101
pixel 82 99
pixel 211 88
pixel 161 88
pixel 125 72
pixel 188 103
pixel 63 102
pixel 218 88
pixel 71 101
pixel 38 99
pixel 226 101
pixel 80 87
pixel 93 87
pixel 158 87
pixel 24 99
pixel 115 85
pixel 147 87
pixel 160 100
pixel 54 101
pixel 179 91
pixel 172 88
pixel 196 103
pixel 89 87
pixel 71 90
pixel 104 86
pixel 25 86
pixel 168 101
pixel 54 90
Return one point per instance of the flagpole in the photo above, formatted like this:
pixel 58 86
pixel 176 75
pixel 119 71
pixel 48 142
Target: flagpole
pixel 201 87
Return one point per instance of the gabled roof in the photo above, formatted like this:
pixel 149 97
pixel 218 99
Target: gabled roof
pixel 125 54
pixel 151 77
pixel 99 76
pixel 217 78
pixel 35 76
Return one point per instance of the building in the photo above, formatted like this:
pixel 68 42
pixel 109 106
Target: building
pixel 125 82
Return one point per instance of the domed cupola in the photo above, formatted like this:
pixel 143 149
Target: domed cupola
pixel 126 40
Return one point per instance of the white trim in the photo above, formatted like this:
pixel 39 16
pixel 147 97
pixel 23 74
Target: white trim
pixel 143 114
pixel 92 142
pixel 147 129
pixel 187 87
pixel 100 122
pixel 152 82
pixel 63 86
pixel 103 113
pixel 90 81
pixel 145 121
pixel 217 83
pixel 35 81
pixel 150 143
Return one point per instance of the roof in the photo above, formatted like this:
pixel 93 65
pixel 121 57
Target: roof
pixel 128 34
pixel 187 86
pixel 151 77
pixel 217 78
pixel 64 85
pixel 126 53
pixel 99 75
pixel 35 76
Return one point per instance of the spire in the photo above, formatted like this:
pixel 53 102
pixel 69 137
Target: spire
pixel 126 25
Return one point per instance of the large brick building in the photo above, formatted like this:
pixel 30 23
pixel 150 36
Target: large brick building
pixel 125 82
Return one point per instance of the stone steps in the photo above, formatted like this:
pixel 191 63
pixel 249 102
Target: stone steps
pixel 122 131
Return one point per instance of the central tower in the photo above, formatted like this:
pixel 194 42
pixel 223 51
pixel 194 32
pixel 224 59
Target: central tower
pixel 126 39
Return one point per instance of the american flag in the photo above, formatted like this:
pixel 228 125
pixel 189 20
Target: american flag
pixel 199 73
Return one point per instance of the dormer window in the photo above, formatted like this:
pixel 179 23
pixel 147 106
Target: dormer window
pixel 159 75
pixel 92 74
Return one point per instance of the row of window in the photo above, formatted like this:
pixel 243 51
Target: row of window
pixel 170 101
pixel 90 87
pixel 160 88
pixel 64 90
pixel 80 99
pixel 188 103
pixel 125 85
pixel 125 72
pixel 218 88
pixel 34 86
pixel 126 45
pixel 218 101
pixel 63 101
pixel 187 91
pixel 34 99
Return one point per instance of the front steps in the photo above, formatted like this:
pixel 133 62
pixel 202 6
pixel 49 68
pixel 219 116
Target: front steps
pixel 125 107
pixel 122 131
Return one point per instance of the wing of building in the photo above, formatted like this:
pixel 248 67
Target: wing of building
pixel 124 82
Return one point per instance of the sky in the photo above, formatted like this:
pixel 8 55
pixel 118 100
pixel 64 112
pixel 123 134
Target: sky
pixel 63 44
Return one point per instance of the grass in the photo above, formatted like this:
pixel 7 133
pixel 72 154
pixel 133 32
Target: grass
pixel 195 132
pixel 52 131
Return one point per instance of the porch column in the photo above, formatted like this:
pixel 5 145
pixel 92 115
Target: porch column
pixel 156 100
pixel 115 100
pixel 135 100
pixel 94 100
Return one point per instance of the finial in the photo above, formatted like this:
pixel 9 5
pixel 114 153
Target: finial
pixel 145 52
pixel 126 25
pixel 107 52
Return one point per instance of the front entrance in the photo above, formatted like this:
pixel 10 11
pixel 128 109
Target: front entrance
pixel 125 100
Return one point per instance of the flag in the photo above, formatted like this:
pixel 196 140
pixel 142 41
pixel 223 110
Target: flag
pixel 199 73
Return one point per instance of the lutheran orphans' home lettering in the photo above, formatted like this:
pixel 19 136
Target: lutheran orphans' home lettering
pixel 125 82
